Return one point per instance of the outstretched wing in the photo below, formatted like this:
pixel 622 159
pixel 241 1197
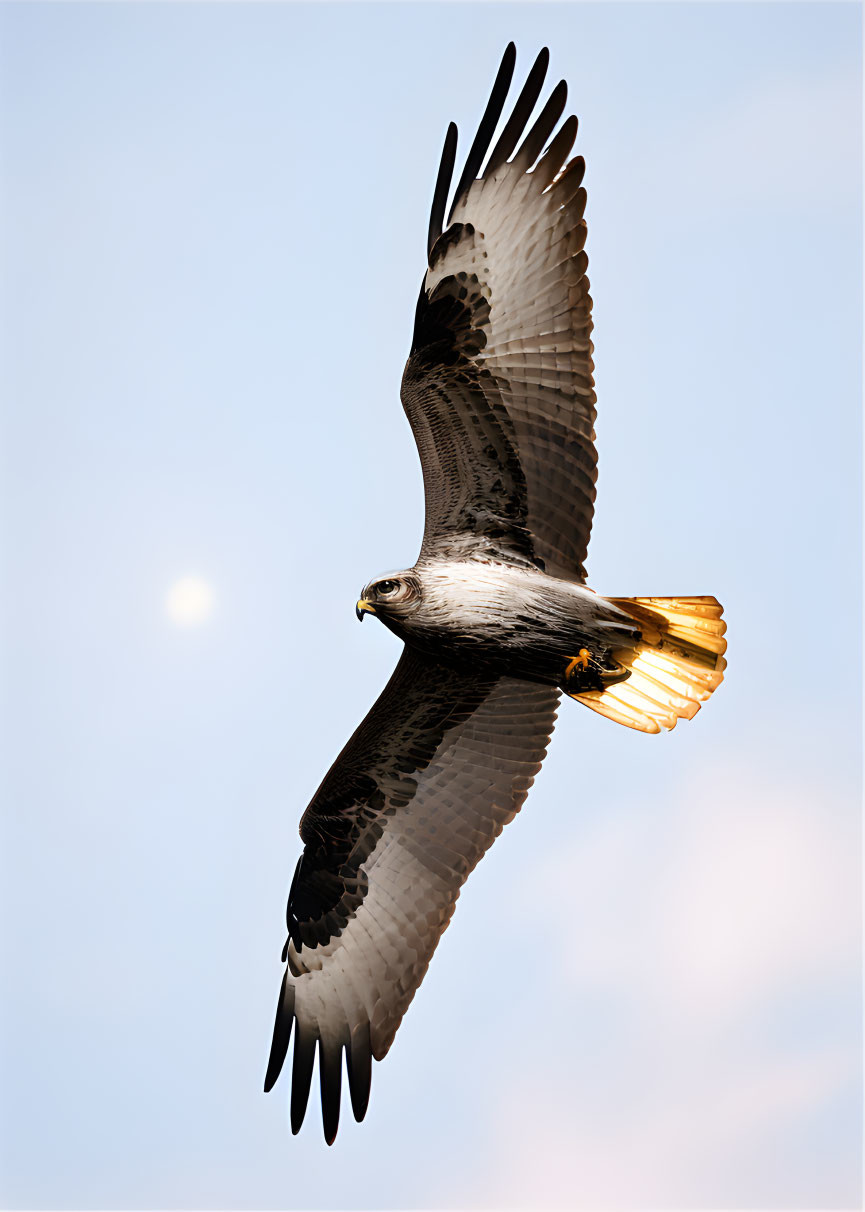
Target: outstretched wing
pixel 439 766
pixel 498 386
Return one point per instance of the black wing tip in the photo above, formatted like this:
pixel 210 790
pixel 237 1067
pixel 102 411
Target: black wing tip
pixel 487 125
pixel 535 141
pixel 301 1075
pixel 525 103
pixel 359 1110
pixel 330 1123
pixel 278 1052
pixel 542 60
pixel 281 1034
pixel 552 162
pixel 442 187
pixel 532 144
pixel 330 1080
pixel 358 1064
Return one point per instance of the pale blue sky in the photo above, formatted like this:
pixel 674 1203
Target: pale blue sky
pixel 213 234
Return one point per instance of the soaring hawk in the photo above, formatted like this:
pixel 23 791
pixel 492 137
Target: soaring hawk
pixel 495 615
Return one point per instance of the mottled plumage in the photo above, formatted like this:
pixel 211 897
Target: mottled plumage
pixel 495 615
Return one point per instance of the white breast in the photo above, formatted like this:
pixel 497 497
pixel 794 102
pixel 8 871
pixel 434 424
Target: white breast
pixel 471 595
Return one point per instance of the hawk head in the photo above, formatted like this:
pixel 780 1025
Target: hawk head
pixel 392 598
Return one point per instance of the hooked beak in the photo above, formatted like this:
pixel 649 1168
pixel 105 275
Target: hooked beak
pixel 363 607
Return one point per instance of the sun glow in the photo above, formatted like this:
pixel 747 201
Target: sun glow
pixel 189 601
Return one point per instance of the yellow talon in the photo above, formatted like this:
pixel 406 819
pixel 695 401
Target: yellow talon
pixel 582 659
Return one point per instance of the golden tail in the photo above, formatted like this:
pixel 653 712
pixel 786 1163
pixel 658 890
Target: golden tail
pixel 675 667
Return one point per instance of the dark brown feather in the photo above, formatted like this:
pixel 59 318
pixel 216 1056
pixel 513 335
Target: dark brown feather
pixel 488 124
pixel 281 1033
pixel 301 1073
pixel 544 126
pixel 443 184
pixel 330 1077
pixel 358 1063
pixel 516 124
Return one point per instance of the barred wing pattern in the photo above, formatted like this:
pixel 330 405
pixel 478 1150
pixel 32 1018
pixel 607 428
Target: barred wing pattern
pixel 441 764
pixel 498 386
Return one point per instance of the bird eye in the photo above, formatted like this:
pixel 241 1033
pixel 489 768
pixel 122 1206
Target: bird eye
pixel 385 587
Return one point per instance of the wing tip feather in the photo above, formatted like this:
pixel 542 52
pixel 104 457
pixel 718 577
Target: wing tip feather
pixel 301 1075
pixel 358 1063
pixel 281 1034
pixel 533 141
pixel 525 103
pixel 330 1080
pixel 486 126
pixel 442 188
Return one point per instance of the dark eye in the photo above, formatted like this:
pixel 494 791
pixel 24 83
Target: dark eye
pixel 386 587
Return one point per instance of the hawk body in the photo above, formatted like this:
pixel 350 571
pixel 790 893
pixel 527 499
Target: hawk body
pixel 495 615
pixel 508 618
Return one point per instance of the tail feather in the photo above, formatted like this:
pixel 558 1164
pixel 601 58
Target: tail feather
pixel 675 667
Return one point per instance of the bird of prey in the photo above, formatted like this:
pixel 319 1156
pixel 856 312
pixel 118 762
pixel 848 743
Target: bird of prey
pixel 496 617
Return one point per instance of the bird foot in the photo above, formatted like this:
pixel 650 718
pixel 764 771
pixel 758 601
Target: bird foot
pixel 577 662
pixel 587 672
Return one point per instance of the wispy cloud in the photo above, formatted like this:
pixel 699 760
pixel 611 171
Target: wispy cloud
pixel 702 928
pixel 698 1142
pixel 748 891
